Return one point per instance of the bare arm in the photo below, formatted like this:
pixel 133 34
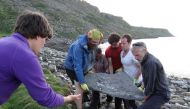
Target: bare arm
pixel 110 66
pixel 139 70
pixel 106 65
pixel 71 98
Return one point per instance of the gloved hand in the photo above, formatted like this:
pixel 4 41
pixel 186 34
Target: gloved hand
pixel 135 81
pixel 84 87
pixel 141 89
pixel 90 72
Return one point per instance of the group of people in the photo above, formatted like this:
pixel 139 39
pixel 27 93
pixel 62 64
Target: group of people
pixel 19 64
pixel 137 62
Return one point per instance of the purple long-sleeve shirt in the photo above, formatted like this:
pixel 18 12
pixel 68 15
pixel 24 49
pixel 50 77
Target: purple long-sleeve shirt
pixel 19 64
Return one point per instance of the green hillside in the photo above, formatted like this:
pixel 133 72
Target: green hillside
pixel 72 17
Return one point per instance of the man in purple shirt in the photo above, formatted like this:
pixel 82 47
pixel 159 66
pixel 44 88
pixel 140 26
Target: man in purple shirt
pixel 19 62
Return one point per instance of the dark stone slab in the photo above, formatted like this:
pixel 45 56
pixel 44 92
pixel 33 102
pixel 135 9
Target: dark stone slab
pixel 117 85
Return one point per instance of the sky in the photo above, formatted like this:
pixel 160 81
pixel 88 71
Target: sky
pixel 173 15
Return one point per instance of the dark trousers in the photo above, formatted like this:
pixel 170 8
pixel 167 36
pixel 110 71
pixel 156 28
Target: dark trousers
pixel 95 100
pixel 154 102
pixel 109 99
pixel 128 104
pixel 117 101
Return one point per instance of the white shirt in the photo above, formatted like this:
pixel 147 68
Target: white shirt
pixel 129 64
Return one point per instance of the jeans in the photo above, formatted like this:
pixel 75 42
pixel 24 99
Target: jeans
pixel 154 102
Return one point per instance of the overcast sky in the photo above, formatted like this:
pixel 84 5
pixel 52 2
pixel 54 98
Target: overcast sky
pixel 173 15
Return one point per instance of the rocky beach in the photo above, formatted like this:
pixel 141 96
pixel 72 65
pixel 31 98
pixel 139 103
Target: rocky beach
pixel 179 87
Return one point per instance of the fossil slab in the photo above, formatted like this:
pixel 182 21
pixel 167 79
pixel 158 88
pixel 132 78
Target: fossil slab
pixel 117 85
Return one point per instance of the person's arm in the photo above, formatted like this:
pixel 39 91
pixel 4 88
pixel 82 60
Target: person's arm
pixel 78 58
pixel 138 66
pixel 28 70
pixel 110 65
pixel 71 98
pixel 105 64
pixel 78 61
pixel 151 78
pixel 139 70
pixel 108 56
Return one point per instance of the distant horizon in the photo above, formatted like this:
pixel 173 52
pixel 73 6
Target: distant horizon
pixel 167 14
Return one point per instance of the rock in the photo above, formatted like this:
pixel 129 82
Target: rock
pixel 52 68
pixel 117 85
pixel 186 93
pixel 166 105
pixel 179 82
pixel 187 99
pixel 179 106
pixel 179 101
pixel 44 64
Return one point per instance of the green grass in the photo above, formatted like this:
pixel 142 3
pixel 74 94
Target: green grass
pixel 22 100
pixel 3 34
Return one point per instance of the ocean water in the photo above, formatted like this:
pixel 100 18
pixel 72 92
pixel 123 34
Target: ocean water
pixel 173 52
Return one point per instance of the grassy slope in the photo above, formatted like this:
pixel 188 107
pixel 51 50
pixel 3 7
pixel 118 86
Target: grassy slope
pixel 7 18
pixel 3 34
pixel 21 99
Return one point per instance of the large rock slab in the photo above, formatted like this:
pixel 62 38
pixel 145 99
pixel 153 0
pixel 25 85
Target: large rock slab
pixel 117 85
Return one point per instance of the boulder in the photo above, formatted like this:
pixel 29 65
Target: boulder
pixel 117 85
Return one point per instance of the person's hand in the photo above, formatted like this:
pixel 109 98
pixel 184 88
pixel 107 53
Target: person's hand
pixel 84 87
pixel 90 72
pixel 141 88
pixel 138 84
pixel 145 98
pixel 71 98
pixel 119 70
pixel 135 81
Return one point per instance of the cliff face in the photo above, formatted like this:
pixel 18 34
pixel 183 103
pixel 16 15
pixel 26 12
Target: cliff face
pixel 72 17
pixel 69 18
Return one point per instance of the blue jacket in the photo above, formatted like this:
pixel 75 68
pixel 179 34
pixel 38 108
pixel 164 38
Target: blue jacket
pixel 79 58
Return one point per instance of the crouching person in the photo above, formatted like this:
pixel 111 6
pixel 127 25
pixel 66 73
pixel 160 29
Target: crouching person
pixel 81 58
pixel 19 62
